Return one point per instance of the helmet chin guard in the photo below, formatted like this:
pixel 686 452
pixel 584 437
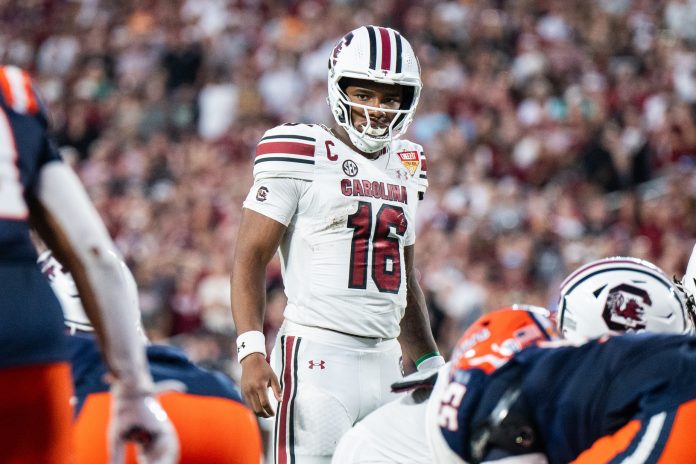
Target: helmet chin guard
pixel 381 55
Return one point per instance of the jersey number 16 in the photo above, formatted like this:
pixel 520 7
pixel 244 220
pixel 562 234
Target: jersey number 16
pixel 386 253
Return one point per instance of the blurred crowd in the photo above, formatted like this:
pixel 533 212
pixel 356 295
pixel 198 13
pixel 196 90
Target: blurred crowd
pixel 556 131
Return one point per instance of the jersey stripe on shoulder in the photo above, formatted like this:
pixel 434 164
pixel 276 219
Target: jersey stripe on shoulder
pixel 423 167
pixel 17 90
pixel 286 151
pixel 286 147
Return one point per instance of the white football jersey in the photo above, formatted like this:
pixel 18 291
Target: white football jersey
pixel 349 219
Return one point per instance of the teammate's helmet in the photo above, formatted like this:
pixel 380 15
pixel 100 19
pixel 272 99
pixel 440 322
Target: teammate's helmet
pixel 495 337
pixel 620 294
pixel 377 54
pixel 64 287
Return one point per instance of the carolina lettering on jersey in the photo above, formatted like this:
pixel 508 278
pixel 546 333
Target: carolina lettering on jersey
pixel 374 189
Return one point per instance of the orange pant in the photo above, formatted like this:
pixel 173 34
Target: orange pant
pixel 210 430
pixel 35 414
pixel 666 437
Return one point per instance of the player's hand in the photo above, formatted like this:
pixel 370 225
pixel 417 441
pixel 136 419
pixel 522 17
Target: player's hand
pixel 141 420
pixel 257 376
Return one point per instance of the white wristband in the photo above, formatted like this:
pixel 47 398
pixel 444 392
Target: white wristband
pixel 249 342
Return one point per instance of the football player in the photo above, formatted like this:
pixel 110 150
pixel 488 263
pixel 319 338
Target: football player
pixel 212 423
pixel 592 299
pixel 35 386
pixel 339 204
pixel 627 398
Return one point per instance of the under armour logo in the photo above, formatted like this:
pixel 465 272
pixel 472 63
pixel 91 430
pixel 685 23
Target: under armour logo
pixel 240 347
pixel 320 364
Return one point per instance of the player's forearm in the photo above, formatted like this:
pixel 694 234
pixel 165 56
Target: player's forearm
pixel 248 293
pixel 257 241
pixel 416 337
pixel 72 228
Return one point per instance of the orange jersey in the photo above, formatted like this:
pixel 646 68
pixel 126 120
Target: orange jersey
pixel 210 430
pixel 212 423
pixel 35 414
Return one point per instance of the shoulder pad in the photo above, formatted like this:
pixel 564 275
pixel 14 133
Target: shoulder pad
pixel 413 158
pixel 18 92
pixel 286 151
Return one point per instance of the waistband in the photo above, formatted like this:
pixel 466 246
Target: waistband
pixel 334 337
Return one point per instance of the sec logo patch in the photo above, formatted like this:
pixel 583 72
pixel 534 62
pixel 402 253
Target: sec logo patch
pixel 350 168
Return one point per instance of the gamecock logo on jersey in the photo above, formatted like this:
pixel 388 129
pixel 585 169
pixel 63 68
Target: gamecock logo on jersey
pixel 262 194
pixel 624 310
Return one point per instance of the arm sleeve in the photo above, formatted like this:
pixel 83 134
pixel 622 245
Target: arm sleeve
pixel 276 198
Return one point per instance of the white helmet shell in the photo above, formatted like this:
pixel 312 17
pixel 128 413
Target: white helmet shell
pixel 620 294
pixel 377 54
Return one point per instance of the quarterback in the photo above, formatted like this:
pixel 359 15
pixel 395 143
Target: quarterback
pixel 339 205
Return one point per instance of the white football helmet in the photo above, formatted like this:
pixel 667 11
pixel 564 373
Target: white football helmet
pixel 377 54
pixel 621 294
pixel 64 287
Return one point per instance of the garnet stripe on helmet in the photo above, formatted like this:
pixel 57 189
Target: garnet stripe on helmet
pixel 398 52
pixel 373 47
pixel 386 48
